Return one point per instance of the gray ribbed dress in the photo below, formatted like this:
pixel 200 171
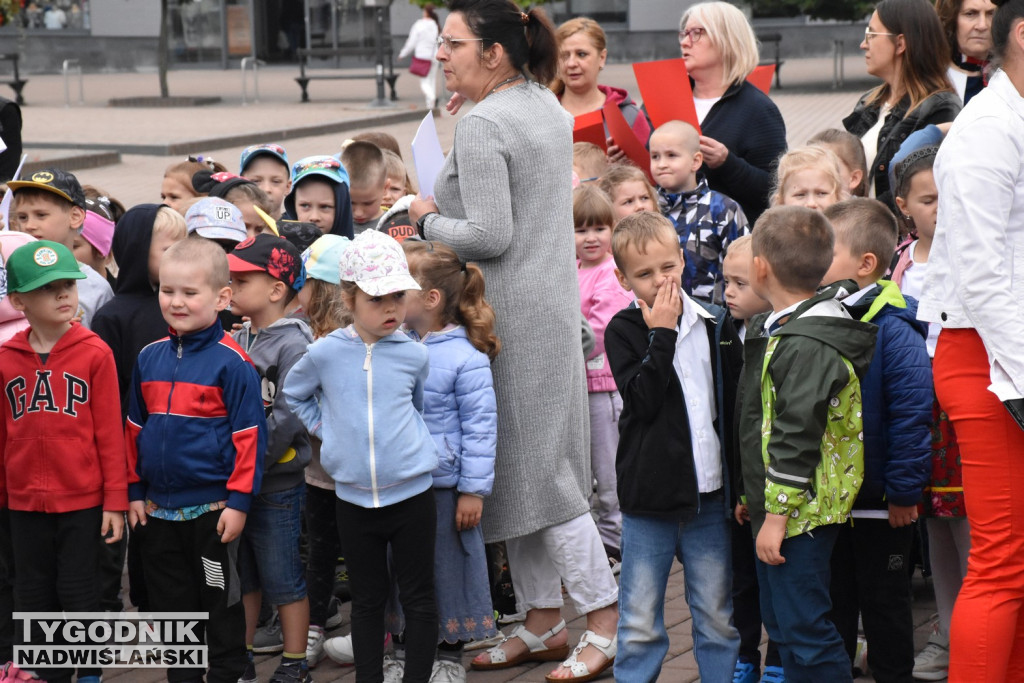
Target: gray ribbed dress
pixel 505 201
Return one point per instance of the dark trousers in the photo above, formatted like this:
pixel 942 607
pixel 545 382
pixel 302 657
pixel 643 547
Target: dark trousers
pixel 188 569
pixel 409 527
pixel 55 561
pixel 795 605
pixel 324 550
pixel 6 589
pixel 870 576
pixel 746 599
pixel 110 573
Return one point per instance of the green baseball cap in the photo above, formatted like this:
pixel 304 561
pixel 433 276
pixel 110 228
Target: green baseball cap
pixel 35 264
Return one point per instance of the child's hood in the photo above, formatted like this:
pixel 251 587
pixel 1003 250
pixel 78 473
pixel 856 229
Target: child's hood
pixel 888 300
pixel 342 209
pixel 350 336
pixel 853 339
pixel 130 248
pixel 280 329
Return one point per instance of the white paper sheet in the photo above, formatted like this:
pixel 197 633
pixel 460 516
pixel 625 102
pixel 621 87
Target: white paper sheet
pixel 427 155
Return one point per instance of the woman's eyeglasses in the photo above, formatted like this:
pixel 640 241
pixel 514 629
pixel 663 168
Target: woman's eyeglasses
pixel 869 34
pixel 694 34
pixel 448 43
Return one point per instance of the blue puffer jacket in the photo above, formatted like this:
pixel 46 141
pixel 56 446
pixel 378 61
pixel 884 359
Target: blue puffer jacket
pixel 897 393
pixel 461 413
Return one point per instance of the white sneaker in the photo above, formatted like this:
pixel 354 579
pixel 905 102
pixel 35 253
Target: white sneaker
pixel 447 671
pixel 340 650
pixel 932 663
pixel 394 669
pixel 314 645
pixel 335 619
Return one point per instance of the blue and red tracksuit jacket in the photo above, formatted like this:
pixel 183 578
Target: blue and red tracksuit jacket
pixel 196 431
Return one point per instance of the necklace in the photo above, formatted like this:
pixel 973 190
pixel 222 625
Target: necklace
pixel 505 82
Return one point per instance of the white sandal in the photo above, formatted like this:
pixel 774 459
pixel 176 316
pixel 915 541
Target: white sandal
pixel 580 671
pixel 537 650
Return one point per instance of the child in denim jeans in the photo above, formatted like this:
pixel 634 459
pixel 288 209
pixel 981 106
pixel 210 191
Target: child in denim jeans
pixel 266 274
pixel 672 358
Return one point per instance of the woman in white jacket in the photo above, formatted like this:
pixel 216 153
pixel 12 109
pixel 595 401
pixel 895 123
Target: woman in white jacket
pixel 974 288
pixel 422 44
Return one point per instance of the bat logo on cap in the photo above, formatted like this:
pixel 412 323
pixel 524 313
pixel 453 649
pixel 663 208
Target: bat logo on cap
pixel 43 177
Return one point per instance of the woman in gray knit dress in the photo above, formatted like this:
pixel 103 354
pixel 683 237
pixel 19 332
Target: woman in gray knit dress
pixel 503 200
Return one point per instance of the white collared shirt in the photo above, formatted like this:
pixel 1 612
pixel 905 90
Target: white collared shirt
pixel 775 316
pixel 692 363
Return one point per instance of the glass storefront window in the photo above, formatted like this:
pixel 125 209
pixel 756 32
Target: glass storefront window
pixel 53 15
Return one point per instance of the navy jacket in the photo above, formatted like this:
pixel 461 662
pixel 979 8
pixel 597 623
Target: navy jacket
pixel 897 394
pixel 654 462
pixel 749 124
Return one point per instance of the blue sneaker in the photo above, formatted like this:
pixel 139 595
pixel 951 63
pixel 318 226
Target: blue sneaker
pixel 773 674
pixel 745 672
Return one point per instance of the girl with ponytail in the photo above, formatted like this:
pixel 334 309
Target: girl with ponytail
pixel 451 317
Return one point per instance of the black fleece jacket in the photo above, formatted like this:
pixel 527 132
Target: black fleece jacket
pixel 654 462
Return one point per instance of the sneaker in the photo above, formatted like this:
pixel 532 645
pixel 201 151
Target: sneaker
pixel 447 671
pixel 268 639
pixel 932 663
pixel 773 674
pixel 860 657
pixel 486 643
pixel 394 669
pixel 333 609
pixel 249 675
pixel 341 586
pixel 745 672
pixel 314 645
pixel 296 672
pixel 340 650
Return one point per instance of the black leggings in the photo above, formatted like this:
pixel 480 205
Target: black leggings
pixel 324 549
pixel 409 528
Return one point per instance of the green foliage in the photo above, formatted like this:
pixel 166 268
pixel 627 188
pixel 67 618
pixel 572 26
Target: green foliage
pixel 842 10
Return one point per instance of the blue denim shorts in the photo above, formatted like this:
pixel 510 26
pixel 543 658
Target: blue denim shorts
pixel 268 556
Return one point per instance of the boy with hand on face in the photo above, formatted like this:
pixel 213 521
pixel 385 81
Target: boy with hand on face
pixel 676 364
pixel 706 221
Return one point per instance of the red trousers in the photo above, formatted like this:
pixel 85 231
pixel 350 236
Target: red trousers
pixel 987 632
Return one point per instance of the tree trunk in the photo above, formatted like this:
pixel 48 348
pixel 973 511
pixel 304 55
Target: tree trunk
pixel 161 49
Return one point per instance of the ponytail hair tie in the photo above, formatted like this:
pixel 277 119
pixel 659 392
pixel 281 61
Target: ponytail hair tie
pixel 524 17
pixel 462 266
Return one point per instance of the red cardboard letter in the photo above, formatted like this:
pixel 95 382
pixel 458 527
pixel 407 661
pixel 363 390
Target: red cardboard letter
pixel 665 88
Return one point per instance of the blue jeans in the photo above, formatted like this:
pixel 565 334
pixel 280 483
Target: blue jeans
pixel 703 546
pixel 795 604
pixel 268 555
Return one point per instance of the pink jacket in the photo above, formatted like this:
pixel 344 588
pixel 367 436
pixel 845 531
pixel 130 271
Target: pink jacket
pixel 601 297
pixel 11 321
pixel 902 264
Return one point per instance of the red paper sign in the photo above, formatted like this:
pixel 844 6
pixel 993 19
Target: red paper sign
pixel 665 88
pixel 761 77
pixel 589 127
pixel 624 137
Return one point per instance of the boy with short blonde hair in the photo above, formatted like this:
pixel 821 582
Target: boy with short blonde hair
pixel 706 221
pixel 368 182
pixel 676 363
pixel 197 390
pixel 50 205
pixel 801 436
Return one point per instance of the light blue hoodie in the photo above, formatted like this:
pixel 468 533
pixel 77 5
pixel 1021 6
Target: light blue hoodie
pixel 365 402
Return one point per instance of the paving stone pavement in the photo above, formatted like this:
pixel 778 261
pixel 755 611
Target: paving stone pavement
pixel 807 102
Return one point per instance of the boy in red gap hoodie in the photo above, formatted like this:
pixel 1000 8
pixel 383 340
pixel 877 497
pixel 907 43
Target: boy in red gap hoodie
pixel 65 475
